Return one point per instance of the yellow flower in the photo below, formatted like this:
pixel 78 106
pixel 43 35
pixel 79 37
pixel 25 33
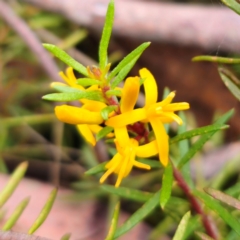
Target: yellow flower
pixel 157 113
pixel 86 118
pixel 123 162
pixel 74 115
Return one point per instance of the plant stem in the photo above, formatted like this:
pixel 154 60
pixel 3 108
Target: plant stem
pixel 210 230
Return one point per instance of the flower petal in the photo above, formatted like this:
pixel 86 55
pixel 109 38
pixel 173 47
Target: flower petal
pixel 150 87
pixel 177 106
pixel 162 140
pixel 121 173
pixel 130 94
pixel 174 116
pixel 127 118
pixel 94 106
pixel 147 150
pixel 86 132
pixel 76 115
pixel 70 78
pixel 141 165
pixel 167 100
pixel 111 166
pixel 122 136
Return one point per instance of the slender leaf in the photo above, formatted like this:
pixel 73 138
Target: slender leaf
pixel 182 227
pixel 203 236
pixel 197 132
pixel 106 34
pixel 128 193
pixel 85 82
pixel 136 53
pixel 97 169
pixel 124 72
pixel 13 182
pixel 77 95
pixel 66 89
pixel 229 200
pixel 217 59
pixel 103 132
pixel 64 57
pixel 15 215
pixel 220 211
pixel 139 215
pixel 201 141
pixel 230 82
pixel 166 185
pixel 233 4
pixel 166 92
pixel 66 236
pixel 44 213
pixel 184 148
pixel 114 222
pixel 107 110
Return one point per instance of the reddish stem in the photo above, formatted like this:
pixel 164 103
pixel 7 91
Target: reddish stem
pixel 195 204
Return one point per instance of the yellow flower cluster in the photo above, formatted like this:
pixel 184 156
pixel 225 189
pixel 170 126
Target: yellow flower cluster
pixel 131 126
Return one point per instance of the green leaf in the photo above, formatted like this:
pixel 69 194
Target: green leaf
pixel 182 227
pixel 64 57
pixel 230 81
pixel 44 213
pixel 110 93
pixel 219 210
pixel 233 4
pixel 128 193
pixel 166 92
pixel 13 182
pixel 217 59
pixel 85 82
pixel 139 215
pixel 114 222
pixel 77 95
pixel 135 54
pixel 203 236
pixel 91 95
pixel 201 141
pixel 184 148
pixel 229 200
pixel 97 169
pixel 15 215
pixel 123 72
pixel 107 110
pixel 66 236
pixel 197 131
pixel 103 132
pixel 166 185
pixel 106 34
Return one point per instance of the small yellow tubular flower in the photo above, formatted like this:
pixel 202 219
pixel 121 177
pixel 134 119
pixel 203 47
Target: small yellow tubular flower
pixel 86 132
pixel 76 115
pixel 150 87
pixel 130 94
pixel 70 78
pixel 123 162
pixel 154 112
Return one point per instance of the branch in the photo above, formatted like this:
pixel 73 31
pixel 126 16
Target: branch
pixel 22 29
pixel 205 26
pixel 195 204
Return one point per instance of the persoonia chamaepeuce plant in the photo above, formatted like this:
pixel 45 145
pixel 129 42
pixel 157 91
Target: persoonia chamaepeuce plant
pixel 106 110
